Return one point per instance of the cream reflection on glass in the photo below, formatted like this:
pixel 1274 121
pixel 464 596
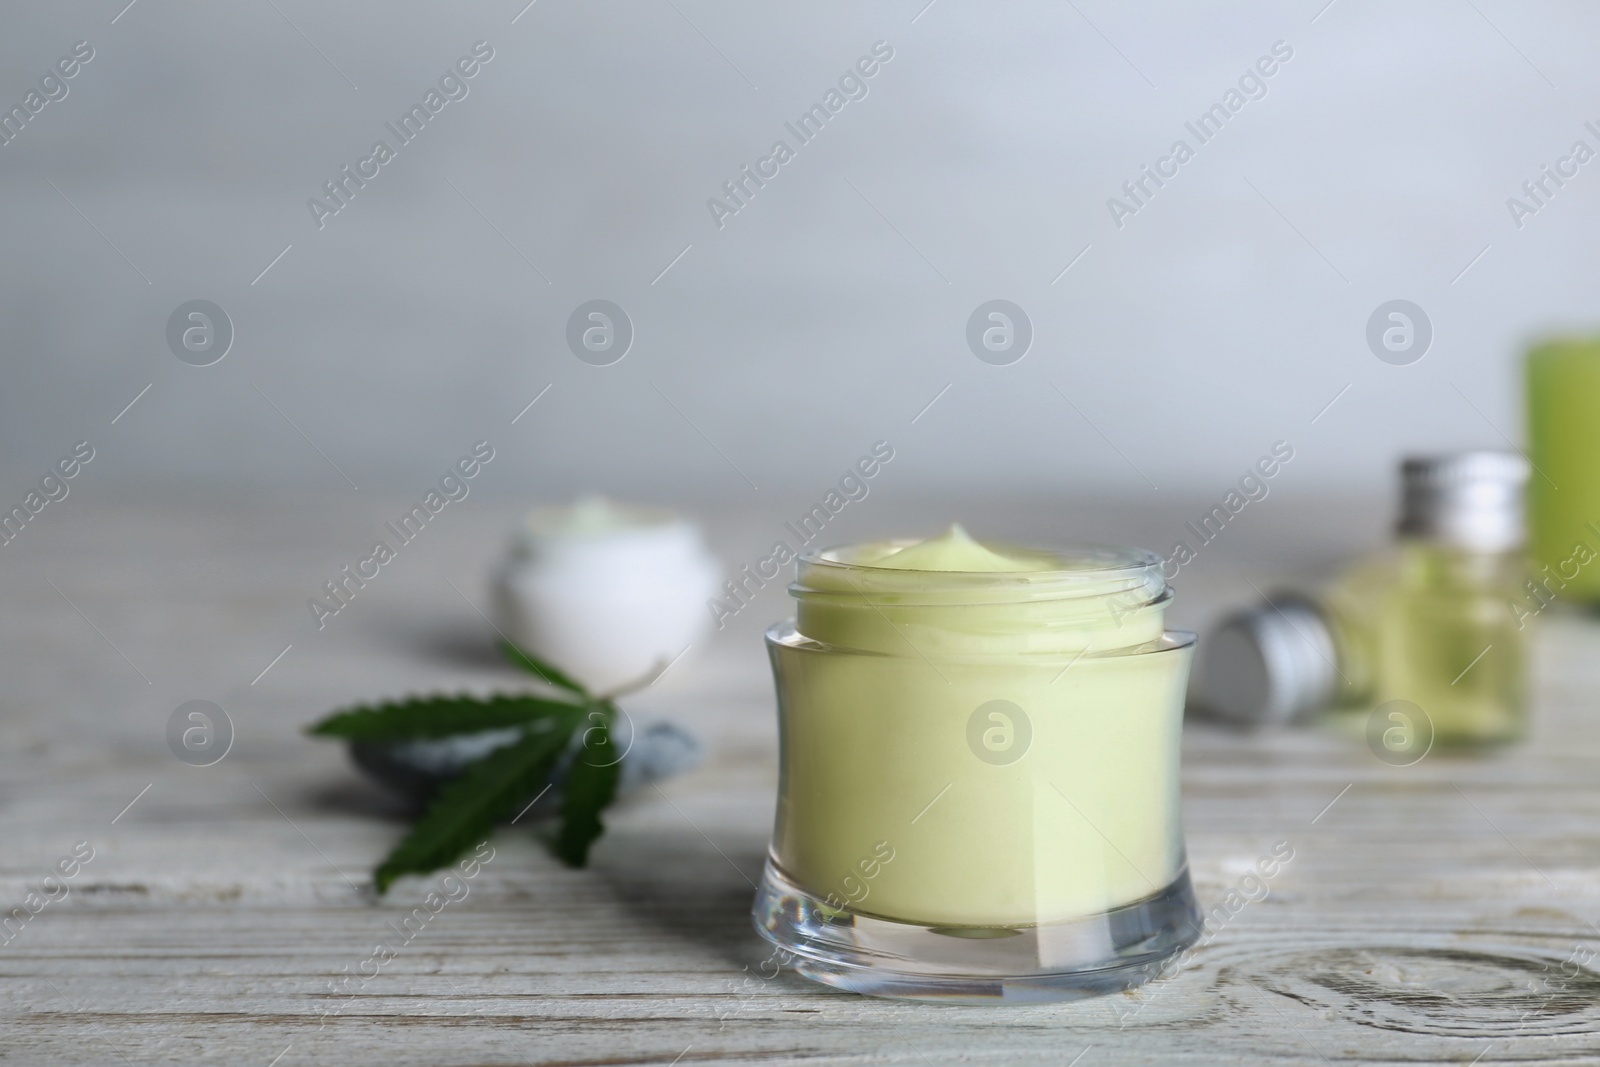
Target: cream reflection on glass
pixel 979 791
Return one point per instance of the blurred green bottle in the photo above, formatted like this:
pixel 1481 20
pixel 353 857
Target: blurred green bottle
pixel 1564 495
pixel 1432 620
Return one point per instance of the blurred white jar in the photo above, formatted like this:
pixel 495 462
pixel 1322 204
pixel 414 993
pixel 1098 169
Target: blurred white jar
pixel 605 592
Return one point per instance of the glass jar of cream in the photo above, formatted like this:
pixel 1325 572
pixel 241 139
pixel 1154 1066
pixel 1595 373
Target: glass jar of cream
pixel 978 792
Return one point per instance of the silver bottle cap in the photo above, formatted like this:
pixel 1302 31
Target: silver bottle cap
pixel 1268 664
pixel 1468 499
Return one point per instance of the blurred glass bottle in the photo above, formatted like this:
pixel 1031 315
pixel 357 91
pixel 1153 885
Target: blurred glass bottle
pixel 1430 620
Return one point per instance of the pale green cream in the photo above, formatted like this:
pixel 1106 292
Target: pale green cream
pixel 1059 803
pixel 953 550
pixel 591 516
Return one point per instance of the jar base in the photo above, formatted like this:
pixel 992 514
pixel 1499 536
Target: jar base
pixel 1092 956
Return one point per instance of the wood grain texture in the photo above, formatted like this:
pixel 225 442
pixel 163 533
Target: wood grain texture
pixel 1425 916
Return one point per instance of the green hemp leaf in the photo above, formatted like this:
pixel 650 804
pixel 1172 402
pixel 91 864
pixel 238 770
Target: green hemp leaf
pixel 556 733
pixel 537 666
pixel 439 716
pixel 591 786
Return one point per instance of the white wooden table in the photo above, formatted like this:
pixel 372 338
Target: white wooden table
pixel 1425 916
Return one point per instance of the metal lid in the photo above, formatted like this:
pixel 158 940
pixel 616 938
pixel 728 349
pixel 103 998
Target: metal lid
pixel 1267 664
pixel 1469 499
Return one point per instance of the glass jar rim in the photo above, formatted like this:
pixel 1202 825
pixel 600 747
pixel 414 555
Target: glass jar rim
pixel 1088 570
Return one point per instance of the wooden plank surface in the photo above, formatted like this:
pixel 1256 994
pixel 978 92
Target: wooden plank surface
pixel 1425 916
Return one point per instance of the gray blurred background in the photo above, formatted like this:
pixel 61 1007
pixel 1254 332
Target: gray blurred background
pixel 827 314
